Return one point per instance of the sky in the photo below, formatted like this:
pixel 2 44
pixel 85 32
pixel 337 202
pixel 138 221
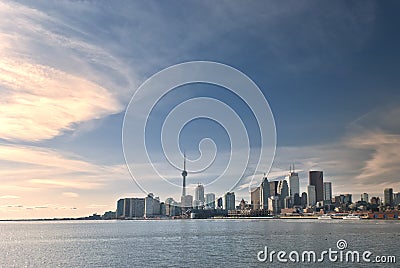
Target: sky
pixel 329 71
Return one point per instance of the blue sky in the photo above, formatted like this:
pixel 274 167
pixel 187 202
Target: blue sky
pixel 329 71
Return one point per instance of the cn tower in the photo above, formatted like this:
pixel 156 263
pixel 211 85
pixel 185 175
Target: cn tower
pixel 184 174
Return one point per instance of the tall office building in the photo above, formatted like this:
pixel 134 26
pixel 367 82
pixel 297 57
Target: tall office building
pixel 255 197
pixel 316 178
pixel 230 203
pixel 259 196
pixel 210 200
pixel 148 206
pixel 127 207
pixel 396 199
pixel 136 208
pixel 199 195
pixel 293 182
pixel 364 197
pixel 172 208
pixel 120 208
pixel 220 203
pixel 264 193
pixel 283 191
pixel 273 188
pixel 327 192
pixel 388 196
pixel 304 199
pixel 311 195
pixel 274 205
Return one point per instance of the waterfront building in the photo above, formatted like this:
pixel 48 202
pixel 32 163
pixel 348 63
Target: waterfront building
pixel 348 198
pixel 220 203
pixel 274 205
pixel 316 178
pixel 283 191
pixel 264 193
pixel 230 201
pixel 375 200
pixel 172 208
pixel 255 198
pixel 210 200
pixel 186 202
pixel 293 182
pixel 327 192
pixel 388 197
pixel 304 200
pixel 364 197
pixel 148 206
pixel 127 208
pixel 120 208
pixel 163 209
pixel 273 188
pixel 137 206
pixel 199 195
pixel 287 202
pixel 297 200
pixel 396 199
pixel 311 195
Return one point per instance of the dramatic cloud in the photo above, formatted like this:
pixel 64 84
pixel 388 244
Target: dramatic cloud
pixel 46 86
pixel 29 166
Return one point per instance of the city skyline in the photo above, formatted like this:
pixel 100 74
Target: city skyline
pixel 69 69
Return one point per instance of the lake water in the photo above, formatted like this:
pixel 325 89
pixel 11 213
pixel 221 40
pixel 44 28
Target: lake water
pixel 187 243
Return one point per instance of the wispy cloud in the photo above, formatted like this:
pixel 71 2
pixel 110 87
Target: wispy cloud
pixel 70 194
pixel 48 86
pixel 9 196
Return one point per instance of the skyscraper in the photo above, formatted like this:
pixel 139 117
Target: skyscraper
pixel 273 188
pixel 327 192
pixel 388 196
pixel 230 201
pixel 293 182
pixel 364 197
pixel 316 178
pixel 311 195
pixel 120 208
pixel 255 198
pixel 264 193
pixel 396 199
pixel 137 207
pixel 127 208
pixel 304 199
pixel 199 194
pixel 220 202
pixel 283 191
pixel 274 205
pixel 210 200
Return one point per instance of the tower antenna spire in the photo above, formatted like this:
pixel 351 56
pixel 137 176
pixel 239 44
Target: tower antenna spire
pixel 184 160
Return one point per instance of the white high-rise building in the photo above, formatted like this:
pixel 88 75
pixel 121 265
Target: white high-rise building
pixel 199 195
pixel 210 200
pixel 327 190
pixel 364 197
pixel 293 182
pixel 312 198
